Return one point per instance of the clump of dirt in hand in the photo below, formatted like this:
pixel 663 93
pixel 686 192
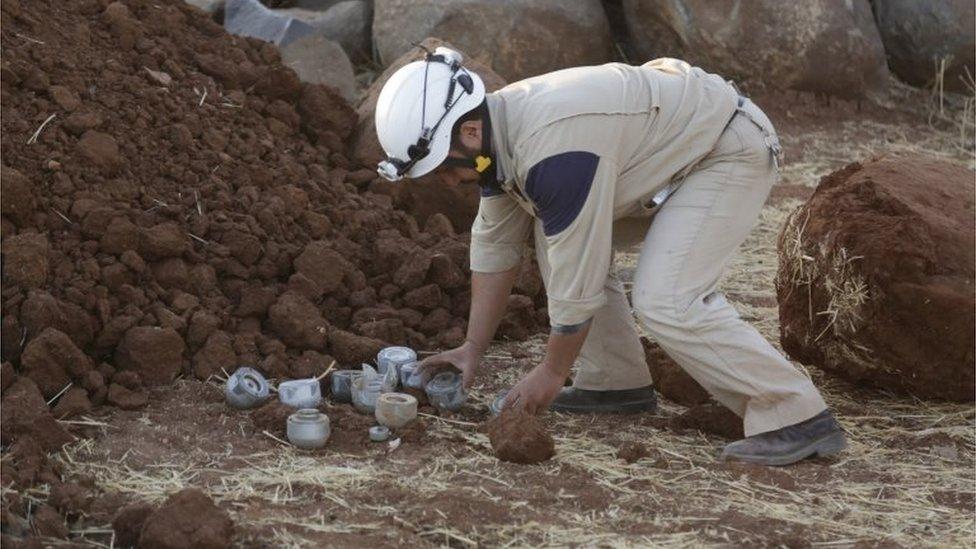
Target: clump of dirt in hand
pixel 188 518
pixel 519 437
pixel 632 451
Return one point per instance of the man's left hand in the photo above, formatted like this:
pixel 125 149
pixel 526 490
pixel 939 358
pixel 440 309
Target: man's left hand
pixel 536 390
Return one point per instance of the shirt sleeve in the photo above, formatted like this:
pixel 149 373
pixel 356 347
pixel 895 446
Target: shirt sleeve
pixel 573 194
pixel 498 234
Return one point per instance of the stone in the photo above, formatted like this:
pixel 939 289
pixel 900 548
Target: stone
pixel 188 518
pixel 216 354
pixel 25 260
pixel 156 354
pixel 515 37
pixel 52 360
pixel 318 60
pixel 251 18
pixel 782 45
pixel 298 322
pixel 18 195
pixel 72 403
pixel 348 22
pixel 875 279
pixel 321 264
pixel 918 35
pixel 100 149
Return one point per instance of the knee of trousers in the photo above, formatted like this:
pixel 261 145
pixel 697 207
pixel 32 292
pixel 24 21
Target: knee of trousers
pixel 661 312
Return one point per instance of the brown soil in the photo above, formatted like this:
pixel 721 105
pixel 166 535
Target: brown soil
pixel 519 437
pixel 632 451
pixel 670 379
pixel 710 418
pixel 188 518
pixel 887 298
pixel 179 229
pixel 128 523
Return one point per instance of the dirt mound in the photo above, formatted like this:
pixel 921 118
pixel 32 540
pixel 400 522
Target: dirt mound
pixel 876 273
pixel 188 518
pixel 191 206
pixel 519 437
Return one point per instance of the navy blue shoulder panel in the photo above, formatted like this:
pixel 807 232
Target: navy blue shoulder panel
pixel 559 186
pixel 491 189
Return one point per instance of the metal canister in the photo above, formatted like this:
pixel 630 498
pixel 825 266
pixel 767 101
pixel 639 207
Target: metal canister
pixel 395 410
pixel 446 391
pixel 410 376
pixel 394 357
pixel 342 384
pixel 300 393
pixel 246 388
pixel 308 429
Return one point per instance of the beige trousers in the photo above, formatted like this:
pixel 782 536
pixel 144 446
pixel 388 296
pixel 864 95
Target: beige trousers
pixel 690 242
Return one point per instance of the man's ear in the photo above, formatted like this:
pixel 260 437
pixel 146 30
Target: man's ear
pixel 471 129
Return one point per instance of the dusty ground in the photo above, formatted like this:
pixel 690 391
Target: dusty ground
pixel 906 481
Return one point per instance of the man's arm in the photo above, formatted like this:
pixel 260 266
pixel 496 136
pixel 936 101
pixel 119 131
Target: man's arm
pixel 489 299
pixel 497 241
pixel 573 192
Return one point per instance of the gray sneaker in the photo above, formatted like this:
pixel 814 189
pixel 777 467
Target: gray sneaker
pixel 820 435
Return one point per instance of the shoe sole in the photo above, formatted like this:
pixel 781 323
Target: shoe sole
pixel 628 408
pixel 828 445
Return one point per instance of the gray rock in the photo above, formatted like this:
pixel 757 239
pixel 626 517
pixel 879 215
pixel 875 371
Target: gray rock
pixel 318 60
pixel 251 18
pixel 348 23
pixel 209 6
pixel 516 38
pixel 824 46
pixel 917 35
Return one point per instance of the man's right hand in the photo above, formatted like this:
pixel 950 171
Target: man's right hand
pixel 466 358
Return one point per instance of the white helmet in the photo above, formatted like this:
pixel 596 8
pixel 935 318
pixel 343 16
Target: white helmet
pixel 417 109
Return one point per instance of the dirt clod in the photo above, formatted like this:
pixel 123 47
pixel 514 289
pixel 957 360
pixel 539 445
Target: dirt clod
pixel 519 437
pixel 128 523
pixel 875 279
pixel 632 451
pixel 188 518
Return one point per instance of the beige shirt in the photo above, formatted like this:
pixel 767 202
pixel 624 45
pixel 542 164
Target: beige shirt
pixel 582 148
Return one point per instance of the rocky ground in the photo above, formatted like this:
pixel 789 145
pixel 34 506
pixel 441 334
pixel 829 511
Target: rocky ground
pixel 906 481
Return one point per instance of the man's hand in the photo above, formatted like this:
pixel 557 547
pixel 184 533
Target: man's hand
pixel 536 390
pixel 465 358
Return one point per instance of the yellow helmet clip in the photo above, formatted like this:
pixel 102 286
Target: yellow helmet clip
pixel 482 163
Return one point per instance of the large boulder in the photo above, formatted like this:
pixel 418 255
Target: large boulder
pixel 347 22
pixel 516 38
pixel 318 60
pixel 875 280
pixel 918 35
pixel 427 195
pixel 252 18
pixel 823 46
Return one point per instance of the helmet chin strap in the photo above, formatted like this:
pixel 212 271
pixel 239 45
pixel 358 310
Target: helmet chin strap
pixel 483 162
